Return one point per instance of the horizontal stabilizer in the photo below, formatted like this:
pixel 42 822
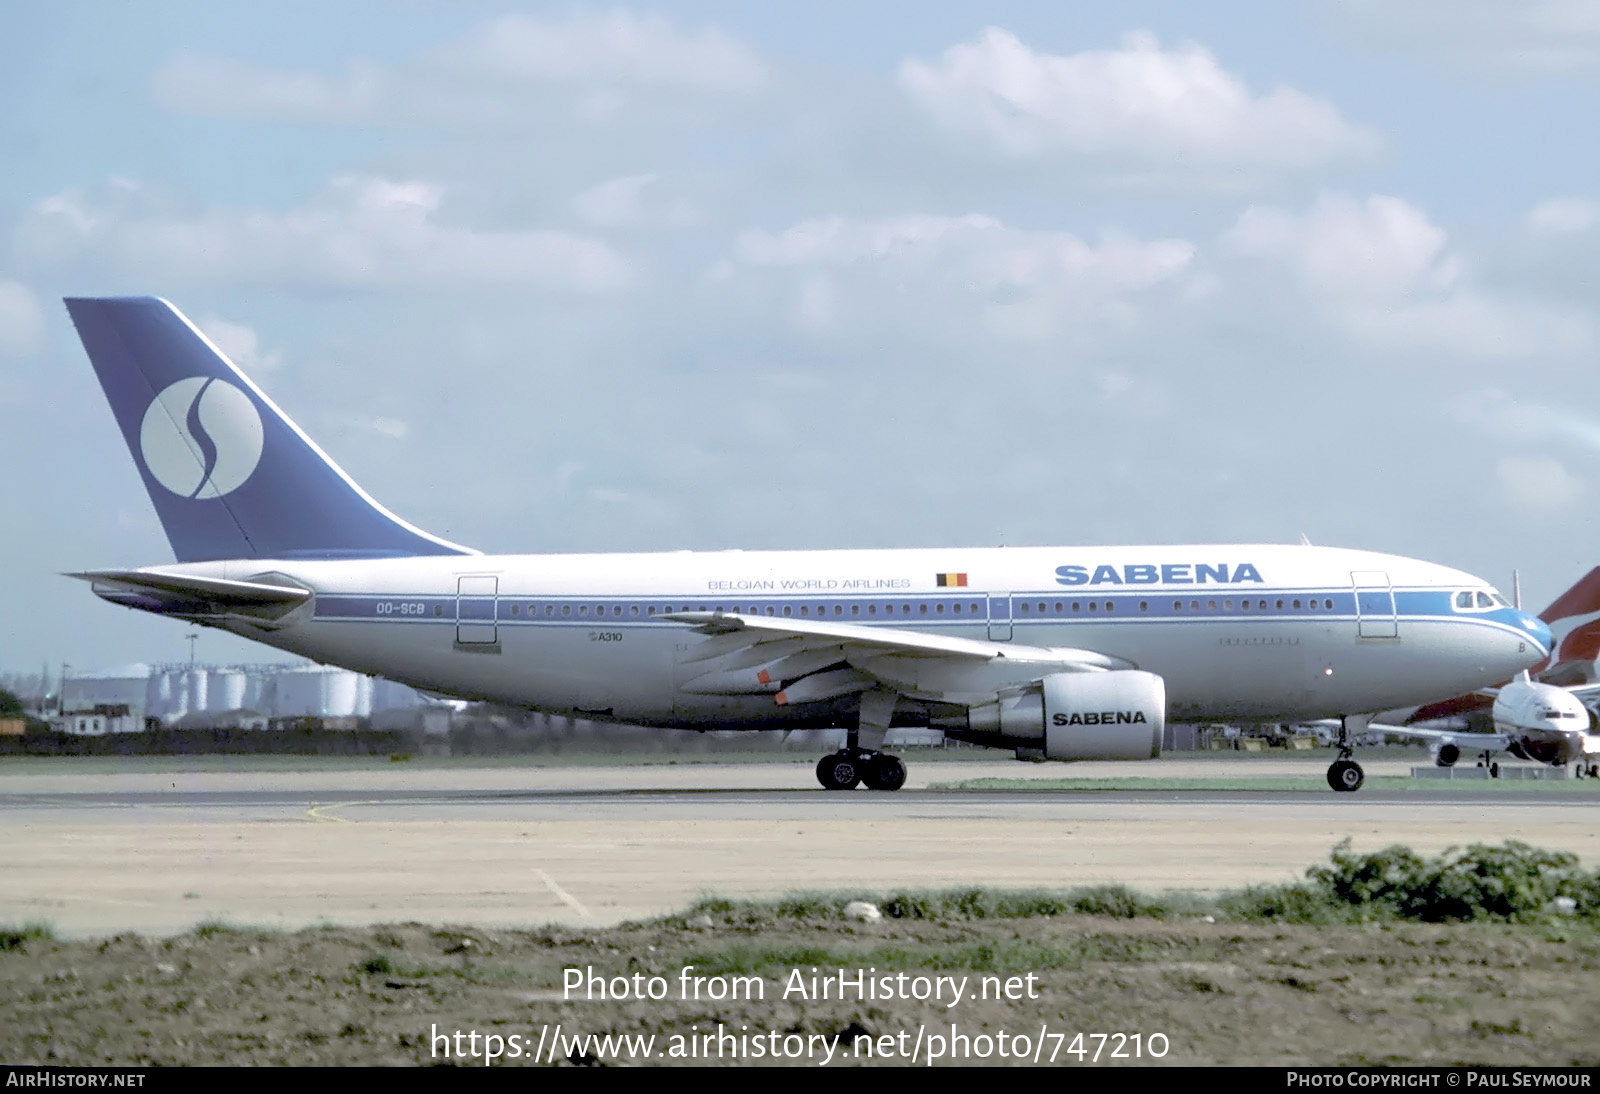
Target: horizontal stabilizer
pixel 195 598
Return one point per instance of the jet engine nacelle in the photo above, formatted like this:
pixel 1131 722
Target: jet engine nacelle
pixel 1447 755
pixel 1104 715
pixel 1117 715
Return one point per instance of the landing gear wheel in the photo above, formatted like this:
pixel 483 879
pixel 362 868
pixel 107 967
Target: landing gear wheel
pixel 1346 775
pixel 1494 771
pixel 884 772
pixel 840 771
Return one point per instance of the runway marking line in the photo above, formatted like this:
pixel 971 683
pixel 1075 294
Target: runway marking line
pixel 561 894
pixel 316 811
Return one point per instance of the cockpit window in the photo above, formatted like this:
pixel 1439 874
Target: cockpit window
pixel 1484 601
pixel 1463 600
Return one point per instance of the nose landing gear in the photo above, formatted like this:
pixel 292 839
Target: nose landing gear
pixel 1344 774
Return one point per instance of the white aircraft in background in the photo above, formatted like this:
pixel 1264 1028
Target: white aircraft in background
pixel 1532 721
pixel 1544 720
pixel 1080 652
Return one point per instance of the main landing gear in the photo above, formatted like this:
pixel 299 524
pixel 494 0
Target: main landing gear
pixel 1345 774
pixel 848 768
pixel 859 761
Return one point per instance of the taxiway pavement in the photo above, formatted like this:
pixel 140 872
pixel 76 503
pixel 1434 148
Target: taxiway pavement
pixel 96 851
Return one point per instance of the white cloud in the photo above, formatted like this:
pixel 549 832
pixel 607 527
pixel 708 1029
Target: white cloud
pixel 1537 482
pixel 1530 36
pixel 367 425
pixel 1382 271
pixel 21 320
pixel 987 252
pixel 615 46
pixel 630 201
pixel 485 78
pixel 393 428
pixel 1025 285
pixel 1171 111
pixel 1493 412
pixel 223 87
pixel 615 201
pixel 240 344
pixel 1380 247
pixel 1474 325
pixel 361 232
pixel 817 304
pixel 1562 216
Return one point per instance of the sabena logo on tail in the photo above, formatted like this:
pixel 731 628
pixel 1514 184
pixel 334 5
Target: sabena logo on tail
pixel 201 438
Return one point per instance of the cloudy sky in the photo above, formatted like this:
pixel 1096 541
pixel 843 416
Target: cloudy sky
pixel 561 277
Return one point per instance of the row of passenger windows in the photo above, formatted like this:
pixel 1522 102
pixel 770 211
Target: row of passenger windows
pixel 805 612
pixel 973 609
pixel 1227 605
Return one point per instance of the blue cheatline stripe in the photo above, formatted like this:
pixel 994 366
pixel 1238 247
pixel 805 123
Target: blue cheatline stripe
pixel 1410 605
pixel 1025 607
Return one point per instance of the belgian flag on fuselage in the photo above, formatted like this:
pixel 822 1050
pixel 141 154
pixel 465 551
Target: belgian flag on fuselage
pixel 950 581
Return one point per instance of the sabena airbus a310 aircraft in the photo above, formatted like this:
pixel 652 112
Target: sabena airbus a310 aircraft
pixel 1075 652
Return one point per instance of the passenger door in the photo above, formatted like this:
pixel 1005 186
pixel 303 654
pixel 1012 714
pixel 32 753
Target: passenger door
pixel 1375 614
pixel 477 620
pixel 999 617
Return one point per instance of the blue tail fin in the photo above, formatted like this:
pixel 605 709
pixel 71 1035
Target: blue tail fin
pixel 230 475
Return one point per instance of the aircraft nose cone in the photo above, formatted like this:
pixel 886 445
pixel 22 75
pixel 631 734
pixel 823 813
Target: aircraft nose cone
pixel 1538 630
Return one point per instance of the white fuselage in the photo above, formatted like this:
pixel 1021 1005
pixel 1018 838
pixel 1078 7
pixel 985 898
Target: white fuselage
pixel 1263 633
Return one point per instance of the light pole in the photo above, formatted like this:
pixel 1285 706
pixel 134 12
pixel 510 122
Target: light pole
pixel 191 638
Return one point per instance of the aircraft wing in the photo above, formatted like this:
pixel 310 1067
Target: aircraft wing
pixel 818 659
pixel 1467 742
pixel 195 598
pixel 759 629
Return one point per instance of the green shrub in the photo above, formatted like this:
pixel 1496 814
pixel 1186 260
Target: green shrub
pixel 1513 882
pixel 16 939
pixel 1283 904
pixel 377 964
pixel 1510 883
pixel 1119 901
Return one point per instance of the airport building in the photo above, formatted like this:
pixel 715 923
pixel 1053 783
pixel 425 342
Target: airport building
pixel 187 696
pixel 96 721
